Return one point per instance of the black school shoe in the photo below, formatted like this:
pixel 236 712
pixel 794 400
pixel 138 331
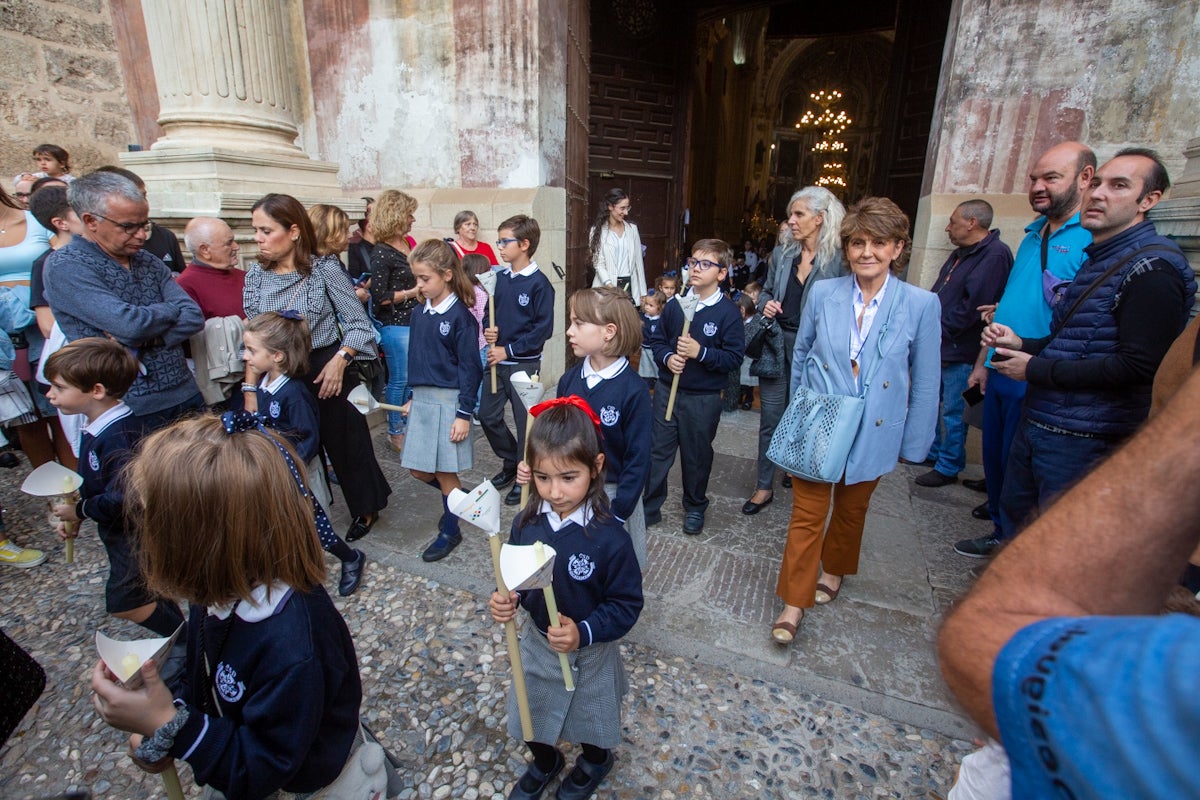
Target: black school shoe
pixel 360 528
pixel 584 779
pixel 504 477
pixel 534 781
pixel 352 572
pixel 513 497
pixel 441 547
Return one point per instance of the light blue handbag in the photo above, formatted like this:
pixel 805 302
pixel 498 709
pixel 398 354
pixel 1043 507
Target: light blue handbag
pixel 815 434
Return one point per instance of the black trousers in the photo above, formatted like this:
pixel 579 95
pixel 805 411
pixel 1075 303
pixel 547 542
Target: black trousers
pixel 508 448
pixel 692 428
pixel 346 440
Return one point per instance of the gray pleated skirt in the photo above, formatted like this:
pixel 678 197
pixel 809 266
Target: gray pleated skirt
pixel 591 714
pixel 635 525
pixel 427 447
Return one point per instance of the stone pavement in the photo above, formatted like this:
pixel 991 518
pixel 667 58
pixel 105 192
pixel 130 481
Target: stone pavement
pixel 854 708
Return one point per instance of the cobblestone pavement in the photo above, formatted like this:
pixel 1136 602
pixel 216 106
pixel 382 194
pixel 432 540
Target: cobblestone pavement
pixel 435 680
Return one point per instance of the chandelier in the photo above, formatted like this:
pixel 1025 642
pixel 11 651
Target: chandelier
pixel 831 123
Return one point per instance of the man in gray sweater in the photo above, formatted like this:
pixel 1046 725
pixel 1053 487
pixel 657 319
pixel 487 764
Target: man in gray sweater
pixel 104 284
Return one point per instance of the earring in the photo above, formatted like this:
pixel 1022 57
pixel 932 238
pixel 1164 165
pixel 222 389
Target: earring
pixel 295 239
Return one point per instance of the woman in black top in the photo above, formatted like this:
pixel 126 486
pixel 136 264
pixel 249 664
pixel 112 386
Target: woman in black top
pixel 815 221
pixel 394 295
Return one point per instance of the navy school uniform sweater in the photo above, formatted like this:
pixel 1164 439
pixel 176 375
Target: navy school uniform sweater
pixel 623 404
pixel 524 315
pixel 597 580
pixel 649 325
pixel 721 334
pixel 443 351
pixel 289 692
pixel 101 458
pixel 292 410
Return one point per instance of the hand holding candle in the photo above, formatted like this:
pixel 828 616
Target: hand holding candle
pixel 59 486
pixel 687 304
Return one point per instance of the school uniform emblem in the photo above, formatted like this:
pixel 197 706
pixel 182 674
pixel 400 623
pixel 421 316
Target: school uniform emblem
pixel 580 566
pixel 444 328
pixel 523 299
pixel 609 416
pixel 710 329
pixel 273 409
pixel 228 686
pixel 94 461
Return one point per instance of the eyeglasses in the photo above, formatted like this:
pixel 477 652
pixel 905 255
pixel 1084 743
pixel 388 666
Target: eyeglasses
pixel 21 195
pixel 505 242
pixel 702 265
pixel 130 228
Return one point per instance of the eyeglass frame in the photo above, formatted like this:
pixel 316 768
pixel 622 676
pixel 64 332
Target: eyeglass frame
pixel 702 264
pixel 503 243
pixel 129 228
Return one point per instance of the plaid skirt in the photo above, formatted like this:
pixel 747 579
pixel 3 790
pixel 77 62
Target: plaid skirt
pixel 16 406
pixel 592 713
pixel 427 447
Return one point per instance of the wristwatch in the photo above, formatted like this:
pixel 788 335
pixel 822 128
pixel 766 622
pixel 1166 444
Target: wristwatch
pixel 346 355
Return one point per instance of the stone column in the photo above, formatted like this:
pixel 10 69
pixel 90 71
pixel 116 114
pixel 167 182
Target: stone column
pixel 231 79
pixel 225 72
pixel 1179 216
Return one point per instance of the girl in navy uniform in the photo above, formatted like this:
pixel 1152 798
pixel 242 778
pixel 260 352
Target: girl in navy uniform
pixel 273 691
pixel 605 332
pixel 276 345
pixel 652 308
pixel 598 586
pixel 444 373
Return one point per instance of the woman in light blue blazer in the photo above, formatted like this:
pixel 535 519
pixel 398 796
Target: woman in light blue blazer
pixel 867 326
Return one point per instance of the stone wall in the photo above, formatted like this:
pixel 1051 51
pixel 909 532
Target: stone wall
pixel 1020 75
pixel 60 82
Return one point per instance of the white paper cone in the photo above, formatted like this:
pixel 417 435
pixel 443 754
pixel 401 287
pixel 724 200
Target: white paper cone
pixel 360 397
pixel 530 390
pixel 488 281
pixel 479 507
pixel 521 568
pixel 114 651
pixel 51 479
pixel 687 304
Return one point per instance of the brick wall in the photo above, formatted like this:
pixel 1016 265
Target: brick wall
pixel 60 82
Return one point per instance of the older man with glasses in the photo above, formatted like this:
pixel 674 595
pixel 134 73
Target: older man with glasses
pixel 104 284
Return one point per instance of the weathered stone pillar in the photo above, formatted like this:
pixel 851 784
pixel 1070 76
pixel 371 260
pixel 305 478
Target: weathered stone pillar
pixel 1179 216
pixel 231 78
pixel 225 72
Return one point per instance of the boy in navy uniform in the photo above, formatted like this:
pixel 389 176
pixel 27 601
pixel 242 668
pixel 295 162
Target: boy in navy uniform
pixel 714 346
pixel 524 321
pixel 89 377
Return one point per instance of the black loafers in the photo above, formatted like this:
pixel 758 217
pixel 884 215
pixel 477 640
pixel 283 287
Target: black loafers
pixel 981 511
pixel 360 527
pixel 585 779
pixel 441 547
pixel 503 478
pixel 750 508
pixel 534 781
pixel 352 572
pixel 513 497
pixel 975 484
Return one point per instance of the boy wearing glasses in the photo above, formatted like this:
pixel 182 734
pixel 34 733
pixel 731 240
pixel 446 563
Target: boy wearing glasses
pixel 713 347
pixel 524 321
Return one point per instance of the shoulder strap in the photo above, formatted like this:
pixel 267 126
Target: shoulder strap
pixel 1108 273
pixel 1045 236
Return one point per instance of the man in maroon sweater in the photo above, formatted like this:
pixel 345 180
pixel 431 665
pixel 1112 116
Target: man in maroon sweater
pixel 213 279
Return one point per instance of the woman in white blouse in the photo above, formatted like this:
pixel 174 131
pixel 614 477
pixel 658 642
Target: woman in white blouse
pixel 617 249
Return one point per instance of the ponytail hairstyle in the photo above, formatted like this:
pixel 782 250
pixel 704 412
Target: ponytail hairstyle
pixel 285 333
pixel 566 432
pixel 442 258
pixel 607 305
pixel 614 196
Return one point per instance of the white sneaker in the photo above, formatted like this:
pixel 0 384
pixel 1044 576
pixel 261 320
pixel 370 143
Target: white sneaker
pixel 20 557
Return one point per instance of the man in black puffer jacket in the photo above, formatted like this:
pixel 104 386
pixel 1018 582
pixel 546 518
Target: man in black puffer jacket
pixel 1089 381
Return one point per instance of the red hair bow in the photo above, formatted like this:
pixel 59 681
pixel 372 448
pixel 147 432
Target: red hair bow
pixel 569 400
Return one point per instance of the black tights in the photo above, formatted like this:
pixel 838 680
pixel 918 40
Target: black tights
pixel 545 756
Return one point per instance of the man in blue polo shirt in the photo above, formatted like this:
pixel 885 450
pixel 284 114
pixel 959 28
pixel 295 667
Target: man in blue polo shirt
pixel 1053 245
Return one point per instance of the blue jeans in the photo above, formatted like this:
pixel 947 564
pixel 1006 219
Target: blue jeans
pixel 1042 465
pixel 950 446
pixel 395 350
pixel 1002 410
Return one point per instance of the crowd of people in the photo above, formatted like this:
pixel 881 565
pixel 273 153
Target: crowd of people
pixel 159 381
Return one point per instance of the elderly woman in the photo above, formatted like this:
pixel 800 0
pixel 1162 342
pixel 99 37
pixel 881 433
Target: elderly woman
pixel 811 251
pixel 871 334
pixel 288 275
pixel 466 237
pixel 394 295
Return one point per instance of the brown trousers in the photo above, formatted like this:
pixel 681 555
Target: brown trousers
pixel 806 550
